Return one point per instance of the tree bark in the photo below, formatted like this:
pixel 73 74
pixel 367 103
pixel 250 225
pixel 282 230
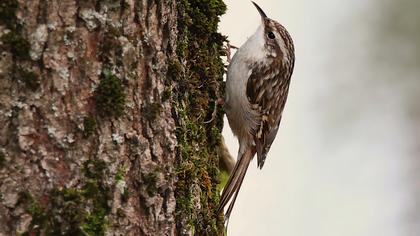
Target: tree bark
pixel 103 106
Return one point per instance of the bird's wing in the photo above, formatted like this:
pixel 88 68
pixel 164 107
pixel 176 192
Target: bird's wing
pixel 267 91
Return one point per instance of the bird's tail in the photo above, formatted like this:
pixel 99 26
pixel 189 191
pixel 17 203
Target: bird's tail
pixel 234 183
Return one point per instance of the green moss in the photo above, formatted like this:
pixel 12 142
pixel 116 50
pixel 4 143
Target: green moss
pixel 110 96
pixel 89 126
pixel 83 210
pixel 70 194
pixel 215 136
pixel 29 78
pixel 7 12
pixel 174 70
pixel 149 180
pixel 72 211
pixel 68 212
pixel 120 175
pixel 2 159
pixel 33 205
pixel 33 208
pixel 199 85
pixel 95 222
pixel 94 168
pixel 18 45
pixel 223 176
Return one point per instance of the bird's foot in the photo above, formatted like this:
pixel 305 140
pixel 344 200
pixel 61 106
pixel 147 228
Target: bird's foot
pixel 219 101
pixel 228 51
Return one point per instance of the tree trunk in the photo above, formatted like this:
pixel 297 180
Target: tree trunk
pixel 103 106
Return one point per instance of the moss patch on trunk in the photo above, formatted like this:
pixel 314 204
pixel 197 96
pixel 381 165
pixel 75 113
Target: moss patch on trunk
pixel 198 72
pixel 72 211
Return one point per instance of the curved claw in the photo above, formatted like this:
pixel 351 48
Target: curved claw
pixel 219 101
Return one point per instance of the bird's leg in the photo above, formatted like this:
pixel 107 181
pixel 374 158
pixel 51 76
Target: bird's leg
pixel 219 101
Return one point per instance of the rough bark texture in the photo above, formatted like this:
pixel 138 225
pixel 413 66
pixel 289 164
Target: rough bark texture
pixel 102 110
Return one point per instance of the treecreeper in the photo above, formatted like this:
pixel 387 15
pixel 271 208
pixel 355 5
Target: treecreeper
pixel 257 86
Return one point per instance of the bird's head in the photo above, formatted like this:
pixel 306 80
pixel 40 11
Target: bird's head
pixel 277 42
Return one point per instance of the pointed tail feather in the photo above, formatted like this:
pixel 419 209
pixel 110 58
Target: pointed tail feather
pixel 235 181
pixel 232 202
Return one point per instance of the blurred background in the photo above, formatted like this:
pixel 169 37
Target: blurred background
pixel 346 159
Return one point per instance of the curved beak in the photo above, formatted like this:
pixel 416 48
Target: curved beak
pixel 262 13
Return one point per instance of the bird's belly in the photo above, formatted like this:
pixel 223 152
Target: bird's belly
pixel 237 112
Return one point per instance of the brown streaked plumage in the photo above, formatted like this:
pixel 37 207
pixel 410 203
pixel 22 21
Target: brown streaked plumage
pixel 256 92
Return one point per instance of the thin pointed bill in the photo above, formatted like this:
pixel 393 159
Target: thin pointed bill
pixel 262 13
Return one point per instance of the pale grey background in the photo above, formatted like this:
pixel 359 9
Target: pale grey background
pixel 345 161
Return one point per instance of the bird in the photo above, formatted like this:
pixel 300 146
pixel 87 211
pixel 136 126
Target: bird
pixel 257 85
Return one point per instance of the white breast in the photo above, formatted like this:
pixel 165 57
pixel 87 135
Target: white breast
pixel 241 117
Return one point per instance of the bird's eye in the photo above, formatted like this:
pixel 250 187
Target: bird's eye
pixel 271 35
